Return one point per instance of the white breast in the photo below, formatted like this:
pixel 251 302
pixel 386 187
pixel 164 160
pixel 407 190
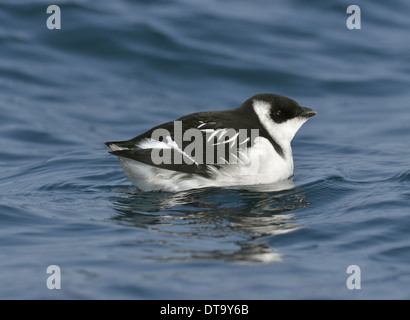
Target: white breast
pixel 266 165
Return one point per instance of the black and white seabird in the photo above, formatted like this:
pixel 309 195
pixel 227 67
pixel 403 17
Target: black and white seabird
pixel 248 145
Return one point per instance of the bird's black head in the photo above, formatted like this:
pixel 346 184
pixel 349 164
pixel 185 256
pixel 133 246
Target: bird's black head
pixel 280 116
pixel 282 108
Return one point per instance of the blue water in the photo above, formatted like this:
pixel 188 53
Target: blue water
pixel 118 68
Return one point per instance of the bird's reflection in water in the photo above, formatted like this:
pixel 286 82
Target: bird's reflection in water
pixel 219 224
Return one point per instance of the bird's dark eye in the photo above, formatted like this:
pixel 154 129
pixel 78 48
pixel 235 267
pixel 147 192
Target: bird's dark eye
pixel 279 115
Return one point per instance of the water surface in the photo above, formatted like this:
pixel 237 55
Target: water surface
pixel 119 68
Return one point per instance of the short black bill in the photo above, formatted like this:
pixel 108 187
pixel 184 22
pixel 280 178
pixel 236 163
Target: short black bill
pixel 307 112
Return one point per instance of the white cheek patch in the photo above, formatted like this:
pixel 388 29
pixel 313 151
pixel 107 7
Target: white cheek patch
pixel 262 110
pixel 287 130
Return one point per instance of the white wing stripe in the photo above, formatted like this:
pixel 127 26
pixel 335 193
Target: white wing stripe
pixel 175 146
pixel 212 135
pixel 227 141
pixel 149 143
pixel 244 141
